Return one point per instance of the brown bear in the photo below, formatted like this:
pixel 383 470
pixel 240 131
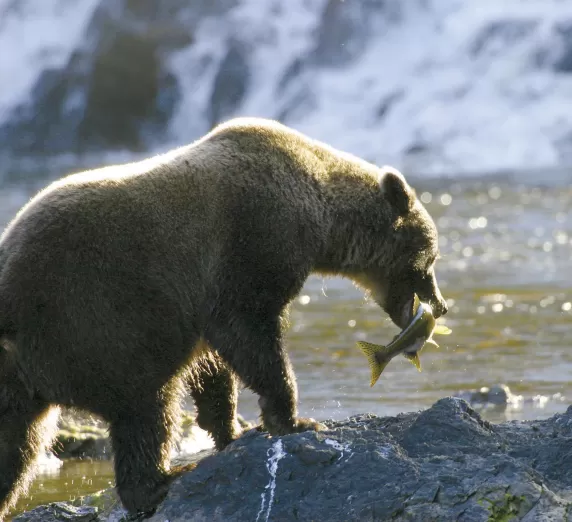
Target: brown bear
pixel 120 286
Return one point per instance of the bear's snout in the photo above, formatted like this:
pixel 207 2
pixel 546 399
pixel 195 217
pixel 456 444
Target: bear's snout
pixel 439 307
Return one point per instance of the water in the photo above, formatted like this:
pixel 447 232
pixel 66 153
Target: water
pixel 503 66
pixel 506 252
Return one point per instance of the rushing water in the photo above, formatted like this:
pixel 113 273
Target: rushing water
pixel 505 270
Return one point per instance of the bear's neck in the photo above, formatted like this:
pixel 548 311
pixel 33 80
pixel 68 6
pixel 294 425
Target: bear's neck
pixel 358 224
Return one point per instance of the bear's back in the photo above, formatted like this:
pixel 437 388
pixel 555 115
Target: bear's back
pixel 243 185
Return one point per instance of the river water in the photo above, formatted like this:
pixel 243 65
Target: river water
pixel 506 247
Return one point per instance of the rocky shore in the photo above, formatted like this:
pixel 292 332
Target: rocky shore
pixel 443 463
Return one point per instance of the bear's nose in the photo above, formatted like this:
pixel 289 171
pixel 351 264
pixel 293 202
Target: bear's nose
pixel 440 308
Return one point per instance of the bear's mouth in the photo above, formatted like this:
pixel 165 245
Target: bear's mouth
pixel 407 313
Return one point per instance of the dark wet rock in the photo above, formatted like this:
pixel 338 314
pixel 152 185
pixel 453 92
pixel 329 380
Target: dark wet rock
pixel 497 35
pixel 498 399
pixel 346 27
pixel 417 147
pixel 59 512
pixel 556 53
pixel 230 84
pixel 82 435
pixel 291 73
pixel 82 442
pixel 388 102
pixel 444 463
pixel 116 92
pixel 563 62
pixel 498 395
pixel 301 102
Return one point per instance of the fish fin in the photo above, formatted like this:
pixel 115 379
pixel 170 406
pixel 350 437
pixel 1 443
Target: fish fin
pixel 370 350
pixel 414 359
pixel 432 343
pixel 441 329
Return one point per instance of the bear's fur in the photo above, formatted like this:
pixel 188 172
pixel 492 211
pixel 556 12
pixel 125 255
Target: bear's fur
pixel 120 285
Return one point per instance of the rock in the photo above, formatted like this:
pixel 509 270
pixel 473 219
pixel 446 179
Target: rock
pixel 346 27
pixel 388 102
pixel 59 511
pixel 497 35
pixel 86 436
pixel 556 52
pixel 116 92
pixel 444 463
pixel 499 398
pixel 497 395
pixel 230 84
pixel 82 436
pixel 563 62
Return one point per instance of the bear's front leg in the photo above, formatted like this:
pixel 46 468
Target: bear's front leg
pixel 254 350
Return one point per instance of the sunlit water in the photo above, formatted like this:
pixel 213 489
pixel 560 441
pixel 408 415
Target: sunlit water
pixel 505 270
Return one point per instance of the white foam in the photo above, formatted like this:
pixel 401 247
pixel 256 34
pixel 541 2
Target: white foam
pixel 477 111
pixel 275 454
pixel 197 440
pixel 36 36
pixel 342 448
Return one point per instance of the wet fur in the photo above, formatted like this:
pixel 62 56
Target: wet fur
pixel 123 286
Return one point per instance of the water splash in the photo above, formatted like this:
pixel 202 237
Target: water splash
pixel 385 450
pixel 275 454
pixel 342 448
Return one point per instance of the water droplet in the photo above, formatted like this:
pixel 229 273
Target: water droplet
pixel 495 192
pixel 567 306
pixel 481 309
pixel 446 199
pixel 351 323
pixel 304 300
pixel 497 307
pixel 426 197
pixel 532 242
pixel 561 237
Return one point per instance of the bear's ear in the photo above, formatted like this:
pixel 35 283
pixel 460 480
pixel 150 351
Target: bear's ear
pixel 396 190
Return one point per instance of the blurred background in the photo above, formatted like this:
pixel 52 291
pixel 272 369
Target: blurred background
pixel 471 99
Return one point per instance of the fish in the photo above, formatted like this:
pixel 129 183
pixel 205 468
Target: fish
pixel 409 341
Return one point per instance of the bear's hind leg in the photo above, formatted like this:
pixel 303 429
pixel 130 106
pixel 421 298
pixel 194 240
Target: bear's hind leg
pixel 143 434
pixel 253 349
pixel 27 428
pixel 215 393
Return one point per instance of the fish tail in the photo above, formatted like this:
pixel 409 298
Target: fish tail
pixel 414 359
pixel 370 350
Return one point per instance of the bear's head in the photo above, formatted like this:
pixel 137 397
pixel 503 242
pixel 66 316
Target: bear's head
pixel 406 264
